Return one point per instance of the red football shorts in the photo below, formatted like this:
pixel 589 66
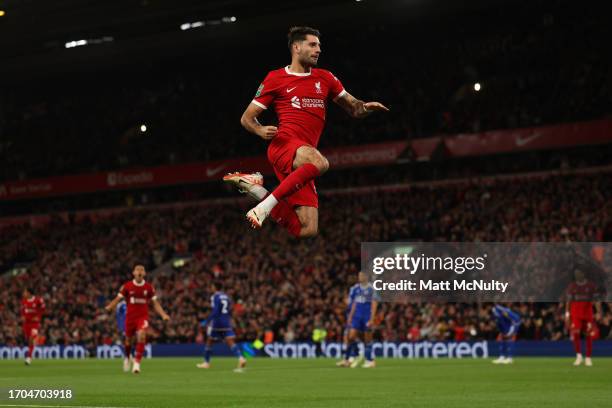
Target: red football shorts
pixel 134 325
pixel 582 323
pixel 281 153
pixel 30 330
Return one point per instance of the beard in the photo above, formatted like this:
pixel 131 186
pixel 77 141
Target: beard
pixel 308 61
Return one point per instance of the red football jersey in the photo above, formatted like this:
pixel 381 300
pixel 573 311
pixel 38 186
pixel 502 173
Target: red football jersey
pixel 300 101
pixel 137 298
pixel 580 296
pixel 32 309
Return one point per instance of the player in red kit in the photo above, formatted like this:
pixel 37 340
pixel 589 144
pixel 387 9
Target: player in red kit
pixel 32 310
pixel 299 94
pixel 138 294
pixel 579 313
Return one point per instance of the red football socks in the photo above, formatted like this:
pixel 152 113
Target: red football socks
pixel 577 342
pixel 127 350
pixel 296 180
pixel 286 217
pixel 589 345
pixel 139 351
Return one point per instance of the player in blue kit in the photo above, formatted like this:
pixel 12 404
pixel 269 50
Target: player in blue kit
pixel 364 300
pixel 508 323
pixel 120 315
pixel 219 324
pixel 345 362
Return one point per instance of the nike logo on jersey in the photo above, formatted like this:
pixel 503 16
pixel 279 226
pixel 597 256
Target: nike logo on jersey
pixel 291 89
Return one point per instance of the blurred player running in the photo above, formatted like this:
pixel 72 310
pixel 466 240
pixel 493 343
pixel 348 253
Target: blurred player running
pixel 508 323
pixel 363 311
pixel 299 94
pixel 579 312
pixel 32 310
pixel 220 327
pixel 137 293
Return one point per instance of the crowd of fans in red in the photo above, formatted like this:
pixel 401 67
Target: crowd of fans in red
pixel 282 286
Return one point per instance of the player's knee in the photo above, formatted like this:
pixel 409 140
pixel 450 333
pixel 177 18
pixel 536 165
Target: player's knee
pixel 309 230
pixel 321 163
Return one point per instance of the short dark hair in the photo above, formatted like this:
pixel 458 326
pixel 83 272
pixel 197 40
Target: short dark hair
pixel 217 285
pixel 300 33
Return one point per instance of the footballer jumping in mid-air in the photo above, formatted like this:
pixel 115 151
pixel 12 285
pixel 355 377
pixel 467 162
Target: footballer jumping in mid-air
pixel 299 94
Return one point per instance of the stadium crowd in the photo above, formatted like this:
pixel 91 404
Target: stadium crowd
pixel 281 286
pixel 553 67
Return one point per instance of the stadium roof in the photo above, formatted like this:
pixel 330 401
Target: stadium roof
pixel 38 34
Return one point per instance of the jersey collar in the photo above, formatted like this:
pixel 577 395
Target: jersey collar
pixel 138 284
pixel 297 73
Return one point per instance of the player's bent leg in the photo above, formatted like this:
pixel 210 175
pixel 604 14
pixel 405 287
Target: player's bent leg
pixel 285 216
pixel 310 155
pixel 309 218
pixel 231 343
pixel 308 164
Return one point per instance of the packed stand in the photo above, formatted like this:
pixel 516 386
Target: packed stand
pixel 280 285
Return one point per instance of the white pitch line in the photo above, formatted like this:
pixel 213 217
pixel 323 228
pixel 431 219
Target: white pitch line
pixel 55 406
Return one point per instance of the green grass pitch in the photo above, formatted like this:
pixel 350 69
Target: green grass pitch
pixel 176 383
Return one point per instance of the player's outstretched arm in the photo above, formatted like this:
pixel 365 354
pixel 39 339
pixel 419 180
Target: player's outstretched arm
pixel 113 304
pixel 598 314
pixel 249 122
pixel 358 108
pixel 160 310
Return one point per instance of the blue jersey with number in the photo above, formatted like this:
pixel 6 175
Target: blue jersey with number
pixel 362 297
pixel 120 314
pixel 221 315
pixel 508 321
